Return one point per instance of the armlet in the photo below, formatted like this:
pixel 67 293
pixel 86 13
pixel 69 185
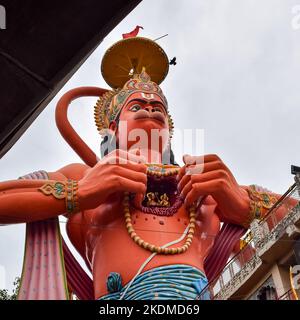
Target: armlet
pixel 260 202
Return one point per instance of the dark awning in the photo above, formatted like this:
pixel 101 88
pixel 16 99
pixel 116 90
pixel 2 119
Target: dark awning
pixel 43 44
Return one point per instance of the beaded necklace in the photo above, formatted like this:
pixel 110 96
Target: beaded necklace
pixel 163 172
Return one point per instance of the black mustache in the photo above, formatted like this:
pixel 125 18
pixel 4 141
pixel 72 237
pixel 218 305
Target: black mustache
pixel 156 115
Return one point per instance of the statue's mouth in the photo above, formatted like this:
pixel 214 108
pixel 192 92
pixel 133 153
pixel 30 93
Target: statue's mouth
pixel 162 197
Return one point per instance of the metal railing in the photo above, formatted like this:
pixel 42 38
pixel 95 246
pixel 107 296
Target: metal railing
pixel 286 202
pixel 287 295
pixel 234 266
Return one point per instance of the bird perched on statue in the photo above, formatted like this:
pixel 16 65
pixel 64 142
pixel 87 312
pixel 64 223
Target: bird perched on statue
pixel 173 61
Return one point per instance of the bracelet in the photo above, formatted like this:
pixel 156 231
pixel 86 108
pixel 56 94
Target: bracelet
pixel 71 198
pixel 260 203
pixel 63 190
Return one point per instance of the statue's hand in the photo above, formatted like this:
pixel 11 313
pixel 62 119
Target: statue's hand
pixel 208 175
pixel 118 172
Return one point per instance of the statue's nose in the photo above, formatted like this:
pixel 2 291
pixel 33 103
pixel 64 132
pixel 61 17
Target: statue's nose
pixel 149 109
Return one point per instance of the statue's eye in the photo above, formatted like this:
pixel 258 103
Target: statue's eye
pixel 157 109
pixel 135 108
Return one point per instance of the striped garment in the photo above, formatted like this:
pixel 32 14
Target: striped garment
pixel 173 282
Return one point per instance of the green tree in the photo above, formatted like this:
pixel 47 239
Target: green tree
pixel 4 294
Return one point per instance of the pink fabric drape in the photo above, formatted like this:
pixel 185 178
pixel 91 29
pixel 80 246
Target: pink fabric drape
pixel 78 280
pixel 49 267
pixel 43 276
pixel 222 248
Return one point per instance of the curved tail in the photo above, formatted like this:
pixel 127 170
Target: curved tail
pixel 66 129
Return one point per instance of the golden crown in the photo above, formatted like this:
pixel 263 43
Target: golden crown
pixel 124 69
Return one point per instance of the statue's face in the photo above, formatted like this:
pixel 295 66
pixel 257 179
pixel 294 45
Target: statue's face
pixel 142 111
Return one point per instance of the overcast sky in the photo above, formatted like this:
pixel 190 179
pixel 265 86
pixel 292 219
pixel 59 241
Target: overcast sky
pixel 237 77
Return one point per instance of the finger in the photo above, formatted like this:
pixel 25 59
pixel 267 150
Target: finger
pixel 138 199
pixel 198 170
pixel 195 164
pixel 189 160
pixel 200 167
pixel 187 188
pixel 123 157
pixel 192 196
pixel 135 155
pixel 186 172
pixel 128 174
pixel 183 182
pixel 202 189
pixel 181 173
pixel 206 167
pixel 211 158
pixel 129 165
pixel 123 184
pixel 210 175
pixel 193 160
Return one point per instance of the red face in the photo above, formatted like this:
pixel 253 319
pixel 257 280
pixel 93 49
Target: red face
pixel 142 111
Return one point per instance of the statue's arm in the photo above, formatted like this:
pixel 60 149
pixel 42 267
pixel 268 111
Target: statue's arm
pixel 208 175
pixel 260 202
pixel 257 204
pixel 22 201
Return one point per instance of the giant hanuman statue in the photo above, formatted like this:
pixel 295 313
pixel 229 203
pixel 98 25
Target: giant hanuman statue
pixel 146 228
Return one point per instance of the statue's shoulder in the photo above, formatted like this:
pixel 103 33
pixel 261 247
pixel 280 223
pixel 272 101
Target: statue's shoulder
pixel 74 171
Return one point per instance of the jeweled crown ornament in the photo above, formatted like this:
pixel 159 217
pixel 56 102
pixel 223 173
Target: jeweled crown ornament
pixel 133 64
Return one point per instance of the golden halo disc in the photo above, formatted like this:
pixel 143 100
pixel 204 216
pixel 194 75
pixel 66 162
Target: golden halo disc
pixel 129 56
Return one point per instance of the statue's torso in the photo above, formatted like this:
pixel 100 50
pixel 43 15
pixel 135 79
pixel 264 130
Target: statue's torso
pixel 101 236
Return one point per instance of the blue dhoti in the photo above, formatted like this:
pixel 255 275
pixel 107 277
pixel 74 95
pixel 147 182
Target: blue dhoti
pixel 173 282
